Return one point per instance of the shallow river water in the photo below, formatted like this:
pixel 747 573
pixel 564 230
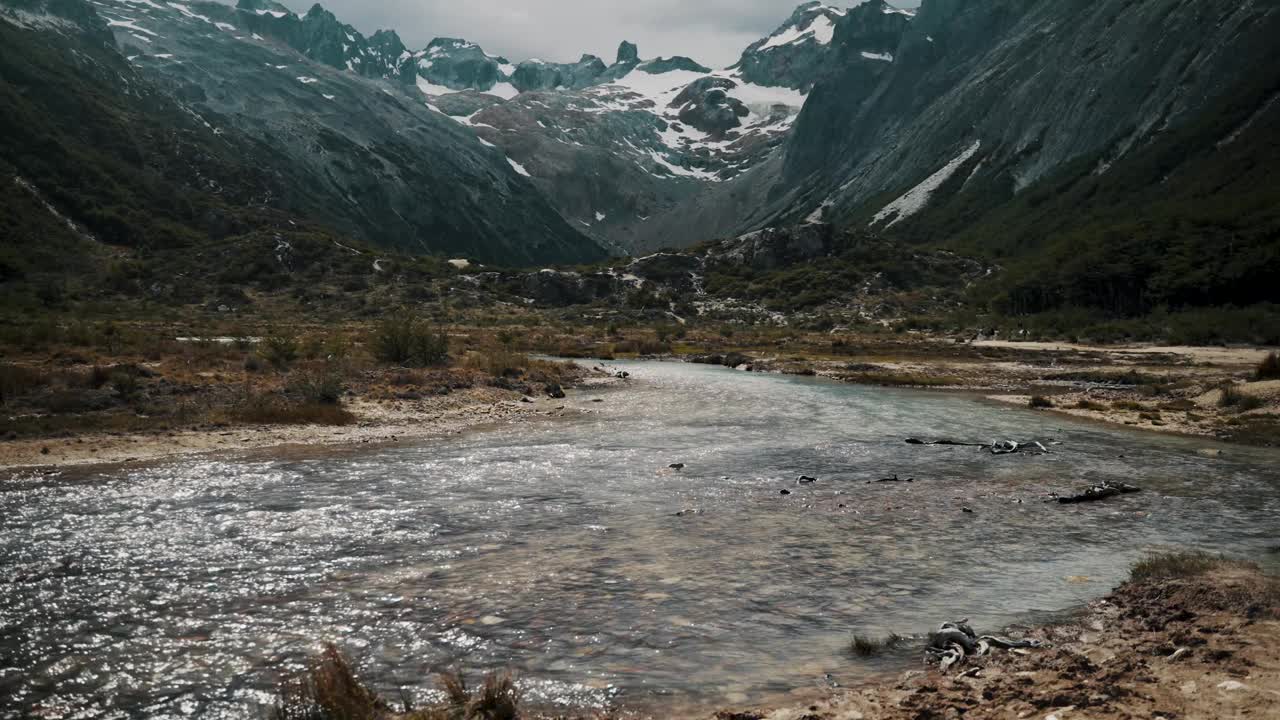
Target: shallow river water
pixel 186 588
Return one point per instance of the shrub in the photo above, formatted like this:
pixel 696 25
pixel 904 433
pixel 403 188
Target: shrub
pixel 17 380
pixel 323 385
pixel 272 410
pixel 402 339
pixel 1040 402
pixel 125 384
pixel 279 350
pixel 1241 402
pixel 1269 368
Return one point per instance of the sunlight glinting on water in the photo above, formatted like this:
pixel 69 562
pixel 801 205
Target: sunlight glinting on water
pixel 186 589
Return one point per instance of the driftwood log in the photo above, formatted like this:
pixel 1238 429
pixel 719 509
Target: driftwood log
pixel 954 643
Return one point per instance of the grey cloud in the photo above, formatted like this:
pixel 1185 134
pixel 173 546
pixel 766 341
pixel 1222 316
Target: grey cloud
pixel 711 31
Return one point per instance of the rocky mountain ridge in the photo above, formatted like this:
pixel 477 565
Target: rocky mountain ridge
pixel 359 160
pixel 609 145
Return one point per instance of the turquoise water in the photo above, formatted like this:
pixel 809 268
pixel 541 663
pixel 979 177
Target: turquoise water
pixel 186 589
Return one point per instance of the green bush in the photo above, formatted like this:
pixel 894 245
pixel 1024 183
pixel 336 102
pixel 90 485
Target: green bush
pixel 126 384
pixel 279 350
pixel 403 339
pixel 321 385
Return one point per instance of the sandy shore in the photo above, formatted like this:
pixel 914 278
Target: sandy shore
pixel 377 422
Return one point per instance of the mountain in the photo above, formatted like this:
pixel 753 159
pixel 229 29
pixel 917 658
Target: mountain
pixel 800 52
pixel 1026 130
pixel 337 148
pixel 1008 130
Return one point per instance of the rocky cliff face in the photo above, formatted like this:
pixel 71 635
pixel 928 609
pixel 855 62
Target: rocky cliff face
pixel 801 51
pixel 968 103
pixel 611 146
pixel 992 96
pixel 377 165
pixel 867 116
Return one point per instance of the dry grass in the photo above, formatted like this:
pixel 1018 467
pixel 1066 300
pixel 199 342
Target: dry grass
pixel 1164 566
pixel 275 410
pixel 643 346
pixel 330 690
pixel 1103 377
pixel 1269 368
pixel 892 379
pixel 865 647
pixel 497 361
pixel 1090 405
pixel 18 380
pixel 1236 400
pixel 498 698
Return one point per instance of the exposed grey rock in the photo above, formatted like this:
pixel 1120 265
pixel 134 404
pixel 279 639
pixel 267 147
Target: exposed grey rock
pixel 659 66
pixel 707 106
pixel 801 52
pixel 460 65
pixel 534 75
pixel 362 157
pixel 628 53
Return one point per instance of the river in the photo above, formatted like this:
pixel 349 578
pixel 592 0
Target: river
pixel 185 588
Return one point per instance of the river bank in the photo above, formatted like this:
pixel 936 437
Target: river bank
pixel 177 396
pixel 376 422
pixel 1208 392
pixel 160 395
pixel 1189 637
pixel 575 552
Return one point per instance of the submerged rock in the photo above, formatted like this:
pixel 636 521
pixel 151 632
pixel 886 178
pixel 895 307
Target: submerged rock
pixel 1101 491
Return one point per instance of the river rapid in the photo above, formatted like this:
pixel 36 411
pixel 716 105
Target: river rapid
pixel 187 588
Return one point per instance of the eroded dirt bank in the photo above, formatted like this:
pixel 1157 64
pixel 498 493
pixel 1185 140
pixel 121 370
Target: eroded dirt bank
pixel 1205 645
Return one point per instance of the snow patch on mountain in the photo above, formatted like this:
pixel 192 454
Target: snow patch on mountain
pixel 918 197
pixel 820 29
pixel 518 168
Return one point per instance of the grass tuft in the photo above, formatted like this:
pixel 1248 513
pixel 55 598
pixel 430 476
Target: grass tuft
pixel 1269 368
pixel 1238 401
pixel 330 690
pixel 1090 405
pixel 1163 566
pixel 1040 402
pixel 865 647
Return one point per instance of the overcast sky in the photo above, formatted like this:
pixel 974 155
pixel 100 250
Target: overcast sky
pixel 713 32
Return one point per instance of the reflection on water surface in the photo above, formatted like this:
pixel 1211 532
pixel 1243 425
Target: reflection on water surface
pixel 183 589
